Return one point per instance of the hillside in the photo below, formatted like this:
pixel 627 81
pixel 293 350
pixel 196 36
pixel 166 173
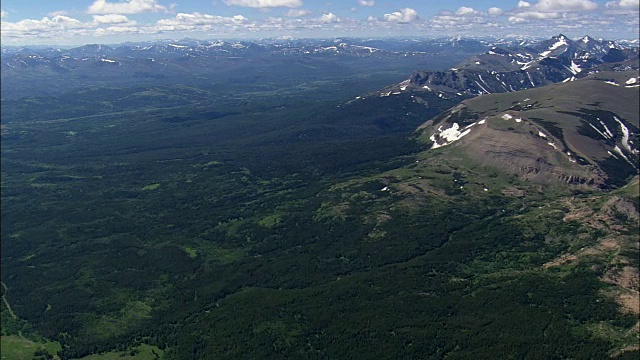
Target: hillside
pixel 581 132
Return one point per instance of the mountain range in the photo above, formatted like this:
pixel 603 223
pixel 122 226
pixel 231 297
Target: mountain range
pixel 508 69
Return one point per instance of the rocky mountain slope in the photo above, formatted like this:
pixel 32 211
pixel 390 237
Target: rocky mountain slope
pixel 513 68
pixel 583 132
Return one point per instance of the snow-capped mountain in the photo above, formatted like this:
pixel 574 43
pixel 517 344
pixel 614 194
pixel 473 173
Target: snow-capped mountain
pixel 506 69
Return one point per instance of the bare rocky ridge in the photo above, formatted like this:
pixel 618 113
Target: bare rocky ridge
pixel 515 68
pixel 581 133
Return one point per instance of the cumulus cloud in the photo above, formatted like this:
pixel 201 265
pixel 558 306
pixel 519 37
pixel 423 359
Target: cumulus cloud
pixel 516 20
pixel 405 15
pixel 550 9
pixel 116 30
pixel 3 14
pixel 495 11
pixel 466 11
pixel 329 18
pixel 110 19
pixel 624 4
pixel 366 2
pixel 264 3
pixel 198 19
pixel 297 13
pixel 36 27
pixel 538 15
pixel 125 7
pixel 565 5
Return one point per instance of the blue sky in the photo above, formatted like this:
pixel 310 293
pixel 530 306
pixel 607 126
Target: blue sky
pixel 74 22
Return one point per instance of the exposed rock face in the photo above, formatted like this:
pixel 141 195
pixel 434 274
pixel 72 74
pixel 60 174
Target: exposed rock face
pixel 581 133
pixel 517 68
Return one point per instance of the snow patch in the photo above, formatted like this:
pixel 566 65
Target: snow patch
pixel 482 87
pixel 542 135
pixel 506 117
pixel 560 42
pixel 107 60
pixel 631 81
pixel 625 136
pixel 611 83
pixel 449 135
pixel 599 132
pixel 619 151
pixel 606 129
pixel 575 68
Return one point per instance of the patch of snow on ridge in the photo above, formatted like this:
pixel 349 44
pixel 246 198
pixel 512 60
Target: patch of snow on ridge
pixel 575 68
pixel 625 136
pixel 560 42
pixel 450 135
pixel 599 132
pixel 619 151
pixel 542 135
pixel 611 83
pixel 606 128
pixel 507 117
pixel 107 60
pixel 631 81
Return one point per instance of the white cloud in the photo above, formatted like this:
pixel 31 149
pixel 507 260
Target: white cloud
pixel 110 19
pixel 560 10
pixel 372 19
pixel 126 7
pixel 366 2
pixel 47 25
pixel 297 12
pixel 403 16
pixel 3 14
pixel 116 30
pixel 516 20
pixel 198 19
pixel 565 5
pixel 329 18
pixel 264 3
pixel 466 11
pixel 495 11
pixel 539 15
pixel 624 4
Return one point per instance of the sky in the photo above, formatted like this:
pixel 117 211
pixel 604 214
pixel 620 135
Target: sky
pixel 77 22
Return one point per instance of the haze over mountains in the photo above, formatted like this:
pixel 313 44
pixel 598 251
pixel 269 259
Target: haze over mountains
pixel 320 199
